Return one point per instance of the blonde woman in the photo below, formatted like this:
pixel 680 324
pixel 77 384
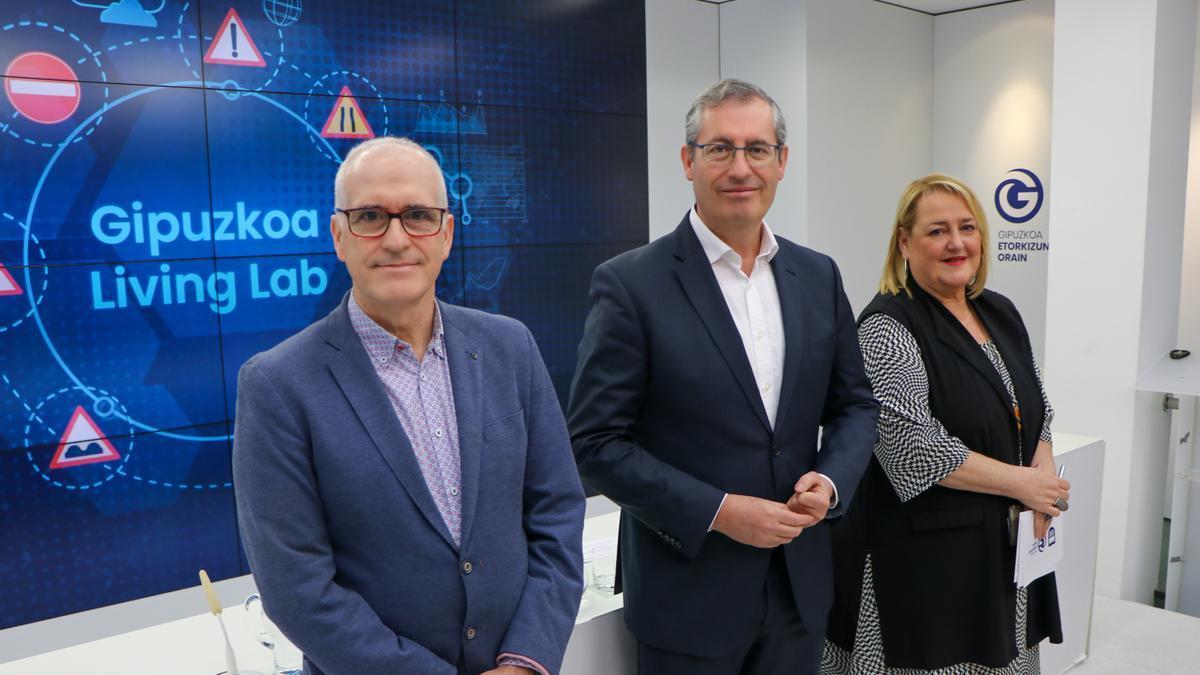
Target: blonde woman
pixel 924 560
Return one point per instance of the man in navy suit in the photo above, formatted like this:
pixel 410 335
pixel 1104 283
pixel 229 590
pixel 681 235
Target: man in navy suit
pixel 405 486
pixel 720 400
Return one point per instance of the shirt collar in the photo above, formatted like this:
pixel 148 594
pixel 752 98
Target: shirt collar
pixel 715 249
pixel 380 344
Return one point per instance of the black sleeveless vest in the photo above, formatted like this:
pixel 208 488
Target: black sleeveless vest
pixel 942 565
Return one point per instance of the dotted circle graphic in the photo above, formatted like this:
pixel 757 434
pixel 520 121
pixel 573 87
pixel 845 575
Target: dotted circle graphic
pixel 318 83
pixel 28 238
pixel 34 416
pixel 41 289
pixel 179 36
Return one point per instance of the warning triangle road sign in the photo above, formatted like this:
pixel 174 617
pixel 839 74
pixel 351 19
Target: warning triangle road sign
pixel 232 46
pixel 8 285
pixel 347 120
pixel 82 443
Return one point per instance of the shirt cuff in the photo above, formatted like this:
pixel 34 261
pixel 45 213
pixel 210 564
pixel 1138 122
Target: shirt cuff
pixel 714 518
pixel 507 659
pixel 829 480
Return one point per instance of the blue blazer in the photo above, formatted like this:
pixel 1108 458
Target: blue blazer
pixel 348 549
pixel 665 418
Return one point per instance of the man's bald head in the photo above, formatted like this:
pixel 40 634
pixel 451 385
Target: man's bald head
pixel 383 144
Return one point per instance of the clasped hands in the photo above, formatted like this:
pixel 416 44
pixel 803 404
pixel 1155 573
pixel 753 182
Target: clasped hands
pixel 766 524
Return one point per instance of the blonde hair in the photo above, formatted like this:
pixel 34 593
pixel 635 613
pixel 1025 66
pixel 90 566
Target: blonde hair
pixel 895 271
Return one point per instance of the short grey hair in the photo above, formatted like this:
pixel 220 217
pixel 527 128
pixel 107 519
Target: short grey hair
pixel 394 143
pixel 738 90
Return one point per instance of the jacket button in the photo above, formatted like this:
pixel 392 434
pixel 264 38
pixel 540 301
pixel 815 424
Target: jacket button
pixel 467 567
pixel 775 449
pixel 470 634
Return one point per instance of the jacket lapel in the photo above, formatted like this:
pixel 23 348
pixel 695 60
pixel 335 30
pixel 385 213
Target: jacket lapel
pixel 696 276
pixel 1020 370
pixel 791 304
pixel 952 334
pixel 466 378
pixel 356 377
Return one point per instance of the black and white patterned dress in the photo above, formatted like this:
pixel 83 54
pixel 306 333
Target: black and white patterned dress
pixel 916 452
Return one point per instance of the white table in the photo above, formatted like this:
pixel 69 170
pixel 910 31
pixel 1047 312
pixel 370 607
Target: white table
pixel 194 645
pixel 600 645
pixel 1083 458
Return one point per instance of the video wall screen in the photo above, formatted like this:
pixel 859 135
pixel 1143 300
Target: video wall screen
pixel 164 214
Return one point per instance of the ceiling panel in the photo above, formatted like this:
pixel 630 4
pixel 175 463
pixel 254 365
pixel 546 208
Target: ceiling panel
pixel 940 6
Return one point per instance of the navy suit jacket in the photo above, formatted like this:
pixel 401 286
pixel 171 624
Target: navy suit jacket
pixel 348 549
pixel 665 418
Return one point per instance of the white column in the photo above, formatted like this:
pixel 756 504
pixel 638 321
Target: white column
pixel 1189 301
pixel 870 129
pixel 681 59
pixel 763 41
pixel 992 72
pixel 1121 100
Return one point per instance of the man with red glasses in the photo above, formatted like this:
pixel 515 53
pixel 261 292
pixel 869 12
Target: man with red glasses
pixel 405 485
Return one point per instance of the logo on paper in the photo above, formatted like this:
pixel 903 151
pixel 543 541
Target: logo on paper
pixel 1019 196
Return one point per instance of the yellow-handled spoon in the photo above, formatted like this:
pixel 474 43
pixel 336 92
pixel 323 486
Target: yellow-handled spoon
pixel 214 606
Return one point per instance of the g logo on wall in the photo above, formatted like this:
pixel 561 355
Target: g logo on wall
pixel 1019 196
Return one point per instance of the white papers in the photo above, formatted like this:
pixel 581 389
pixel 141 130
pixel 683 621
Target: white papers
pixel 1037 557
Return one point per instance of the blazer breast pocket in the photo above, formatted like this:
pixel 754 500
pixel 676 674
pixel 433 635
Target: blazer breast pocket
pixel 507 427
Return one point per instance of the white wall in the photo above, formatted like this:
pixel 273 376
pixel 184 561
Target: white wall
pixel 870 129
pixel 1118 90
pixel 1189 300
pixel 1174 58
pixel 691 44
pixel 1189 572
pixel 1189 338
pixel 681 59
pixel 763 41
pixel 854 79
pixel 991 113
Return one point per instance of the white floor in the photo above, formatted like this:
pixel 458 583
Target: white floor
pixel 1133 639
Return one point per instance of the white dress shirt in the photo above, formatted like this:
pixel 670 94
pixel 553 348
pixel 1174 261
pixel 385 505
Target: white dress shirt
pixel 753 301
